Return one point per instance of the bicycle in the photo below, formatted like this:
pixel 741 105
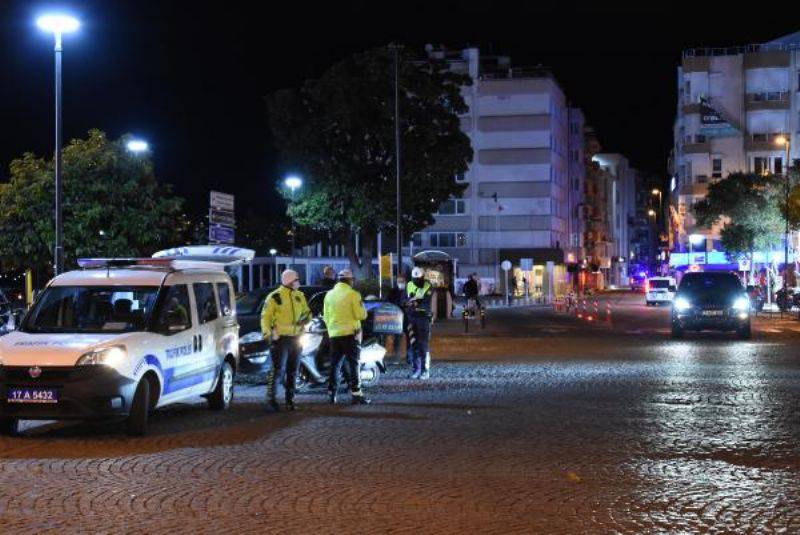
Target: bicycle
pixel 472 310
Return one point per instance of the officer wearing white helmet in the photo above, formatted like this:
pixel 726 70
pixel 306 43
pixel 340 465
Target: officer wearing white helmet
pixel 343 312
pixel 283 317
pixel 418 308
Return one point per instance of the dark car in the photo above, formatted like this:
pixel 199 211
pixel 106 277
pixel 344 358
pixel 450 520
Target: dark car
pixel 253 349
pixel 711 301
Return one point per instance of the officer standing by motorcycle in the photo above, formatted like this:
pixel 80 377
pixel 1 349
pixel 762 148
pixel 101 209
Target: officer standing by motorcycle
pixel 420 294
pixel 343 312
pixel 283 317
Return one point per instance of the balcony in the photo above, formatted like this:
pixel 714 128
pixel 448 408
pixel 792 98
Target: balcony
pixel 768 100
pixel 764 142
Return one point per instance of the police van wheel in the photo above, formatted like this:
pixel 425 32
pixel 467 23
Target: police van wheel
pixel 9 427
pixel 140 408
pixel 220 399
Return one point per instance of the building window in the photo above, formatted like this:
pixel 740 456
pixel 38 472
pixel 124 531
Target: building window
pixel 461 239
pixel 453 207
pixel 716 168
pixel 760 165
pixel 777 165
pixel 443 239
pixel 461 177
pixel 416 239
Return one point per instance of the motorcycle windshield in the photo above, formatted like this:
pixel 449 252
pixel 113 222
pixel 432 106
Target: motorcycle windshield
pixel 382 318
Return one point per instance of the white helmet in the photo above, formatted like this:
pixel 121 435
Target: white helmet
pixel 345 274
pixel 417 273
pixel 289 276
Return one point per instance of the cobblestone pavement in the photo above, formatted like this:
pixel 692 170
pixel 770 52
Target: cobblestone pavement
pixel 632 435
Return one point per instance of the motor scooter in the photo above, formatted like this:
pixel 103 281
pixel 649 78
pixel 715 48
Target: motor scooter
pixel 315 362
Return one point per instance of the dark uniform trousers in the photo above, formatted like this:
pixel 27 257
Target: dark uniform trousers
pixel 421 327
pixel 344 350
pixel 285 353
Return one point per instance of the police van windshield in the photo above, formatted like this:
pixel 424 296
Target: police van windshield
pixel 659 283
pixel 92 309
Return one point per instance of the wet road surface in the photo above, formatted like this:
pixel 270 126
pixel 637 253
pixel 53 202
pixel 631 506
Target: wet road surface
pixel 560 427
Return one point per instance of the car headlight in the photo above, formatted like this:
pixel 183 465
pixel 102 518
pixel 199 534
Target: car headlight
pixel 109 356
pixel 682 304
pixel 741 304
pixel 249 338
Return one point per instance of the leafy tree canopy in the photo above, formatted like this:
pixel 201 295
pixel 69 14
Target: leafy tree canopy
pixel 751 207
pixel 112 206
pixel 338 132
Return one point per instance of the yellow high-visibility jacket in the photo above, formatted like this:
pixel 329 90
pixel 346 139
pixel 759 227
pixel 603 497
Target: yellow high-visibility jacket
pixel 286 311
pixel 343 311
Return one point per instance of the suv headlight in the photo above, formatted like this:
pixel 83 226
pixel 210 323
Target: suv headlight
pixel 742 304
pixel 249 338
pixel 109 356
pixel 682 304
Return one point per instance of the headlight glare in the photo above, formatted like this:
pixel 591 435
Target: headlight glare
pixel 109 356
pixel 682 304
pixel 741 304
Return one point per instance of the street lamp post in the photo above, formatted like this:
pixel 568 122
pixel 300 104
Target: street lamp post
pixel 58 25
pixel 293 183
pixel 786 142
pixel 274 252
pixel 398 223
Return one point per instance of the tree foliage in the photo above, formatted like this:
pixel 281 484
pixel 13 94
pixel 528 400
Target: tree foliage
pixel 338 131
pixel 750 205
pixel 112 206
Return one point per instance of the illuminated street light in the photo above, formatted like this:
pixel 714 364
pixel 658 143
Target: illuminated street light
pixel 785 142
pixel 137 146
pixel 58 24
pixel 651 213
pixel 273 253
pixel 293 182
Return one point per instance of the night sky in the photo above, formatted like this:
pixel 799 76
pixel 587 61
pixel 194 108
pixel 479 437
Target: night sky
pixel 190 76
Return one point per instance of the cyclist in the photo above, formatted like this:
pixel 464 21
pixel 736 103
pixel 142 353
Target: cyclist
pixel 472 290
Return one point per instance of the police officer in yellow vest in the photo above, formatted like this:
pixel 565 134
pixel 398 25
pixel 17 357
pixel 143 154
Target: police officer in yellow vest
pixel 343 312
pixel 284 314
pixel 420 316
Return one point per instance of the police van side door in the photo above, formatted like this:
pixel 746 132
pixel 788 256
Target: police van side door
pixel 208 318
pixel 175 325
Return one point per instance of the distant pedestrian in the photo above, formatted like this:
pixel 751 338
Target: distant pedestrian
pixel 328 278
pixel 343 312
pixel 283 317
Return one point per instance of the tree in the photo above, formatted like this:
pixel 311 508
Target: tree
pixel 112 206
pixel 751 207
pixel 338 131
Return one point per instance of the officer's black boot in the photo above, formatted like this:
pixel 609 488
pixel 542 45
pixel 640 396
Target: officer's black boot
pixel 332 396
pixel 290 406
pixel 274 404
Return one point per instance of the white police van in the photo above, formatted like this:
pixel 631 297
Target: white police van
pixel 121 337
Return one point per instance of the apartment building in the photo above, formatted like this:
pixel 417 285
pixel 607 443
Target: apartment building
pixel 735 105
pixel 526 181
pixel 618 179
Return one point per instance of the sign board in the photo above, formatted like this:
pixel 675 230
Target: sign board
pixel 506 265
pixel 221 201
pixel 386 267
pixel 221 218
pixel 221 234
pixel 526 264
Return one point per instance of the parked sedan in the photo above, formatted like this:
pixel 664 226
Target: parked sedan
pixel 711 301
pixel 253 348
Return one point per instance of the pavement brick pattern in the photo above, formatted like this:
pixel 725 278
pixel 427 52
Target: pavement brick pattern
pixel 681 437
